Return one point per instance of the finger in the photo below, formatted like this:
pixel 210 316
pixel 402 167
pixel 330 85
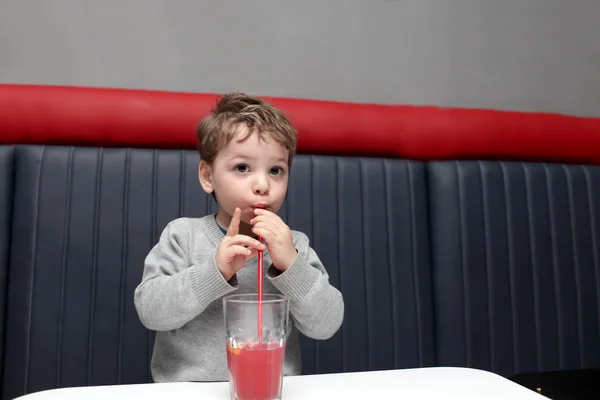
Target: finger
pixel 239 250
pixel 266 234
pixel 253 253
pixel 259 218
pixel 234 225
pixel 269 226
pixel 262 211
pixel 273 217
pixel 246 240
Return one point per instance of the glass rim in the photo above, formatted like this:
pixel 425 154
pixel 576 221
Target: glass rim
pixel 252 298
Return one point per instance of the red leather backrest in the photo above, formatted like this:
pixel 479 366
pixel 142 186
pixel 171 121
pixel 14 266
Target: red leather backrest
pixel 141 118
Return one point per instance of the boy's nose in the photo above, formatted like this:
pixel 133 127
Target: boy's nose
pixel 261 185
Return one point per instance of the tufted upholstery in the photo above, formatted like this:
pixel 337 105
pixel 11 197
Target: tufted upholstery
pixel 85 219
pixel 516 265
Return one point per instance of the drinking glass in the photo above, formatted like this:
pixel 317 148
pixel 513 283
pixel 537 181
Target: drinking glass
pixel 256 336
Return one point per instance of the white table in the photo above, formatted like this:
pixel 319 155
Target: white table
pixel 438 383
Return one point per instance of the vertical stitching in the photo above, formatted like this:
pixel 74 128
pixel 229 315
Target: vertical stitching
pixel 594 234
pixel 414 261
pixel 64 263
pixel 94 261
pixel 555 266
pixel 123 262
pixel 390 260
pixel 488 262
pixel 182 176
pixel 339 250
pixel 576 264
pixel 534 263
pixel 463 250
pixel 511 265
pixel 33 264
pixel 313 197
pixel 153 224
pixel 362 190
pixel 315 220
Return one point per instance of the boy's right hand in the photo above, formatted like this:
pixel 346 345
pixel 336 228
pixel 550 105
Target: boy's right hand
pixel 231 253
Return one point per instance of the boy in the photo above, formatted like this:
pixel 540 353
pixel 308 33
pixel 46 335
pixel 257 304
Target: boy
pixel 246 147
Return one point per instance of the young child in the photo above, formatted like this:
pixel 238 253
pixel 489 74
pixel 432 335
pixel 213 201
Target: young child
pixel 246 148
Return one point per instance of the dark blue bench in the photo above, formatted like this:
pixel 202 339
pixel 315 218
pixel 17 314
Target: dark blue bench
pixel 516 265
pixel 85 218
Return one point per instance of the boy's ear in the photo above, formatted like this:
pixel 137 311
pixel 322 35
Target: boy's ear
pixel 205 176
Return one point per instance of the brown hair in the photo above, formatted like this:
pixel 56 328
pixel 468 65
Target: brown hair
pixel 234 109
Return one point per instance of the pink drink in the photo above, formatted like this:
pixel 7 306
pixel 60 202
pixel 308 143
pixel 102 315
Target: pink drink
pixel 256 371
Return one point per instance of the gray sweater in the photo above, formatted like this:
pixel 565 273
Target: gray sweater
pixel 180 297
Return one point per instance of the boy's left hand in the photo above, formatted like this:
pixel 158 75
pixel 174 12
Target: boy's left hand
pixel 277 236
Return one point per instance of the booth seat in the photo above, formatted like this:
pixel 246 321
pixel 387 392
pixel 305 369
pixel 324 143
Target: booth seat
pixel 458 237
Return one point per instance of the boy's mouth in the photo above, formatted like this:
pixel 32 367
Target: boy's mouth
pixel 263 206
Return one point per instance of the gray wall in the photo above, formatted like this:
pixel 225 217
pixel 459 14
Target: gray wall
pixel 533 55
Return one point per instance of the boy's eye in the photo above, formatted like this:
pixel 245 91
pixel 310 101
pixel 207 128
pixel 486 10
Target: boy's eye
pixel 276 171
pixel 242 168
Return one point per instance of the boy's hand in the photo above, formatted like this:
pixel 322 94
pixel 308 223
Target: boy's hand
pixel 277 236
pixel 231 254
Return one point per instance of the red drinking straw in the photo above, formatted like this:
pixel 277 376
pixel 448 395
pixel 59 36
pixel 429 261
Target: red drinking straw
pixel 260 290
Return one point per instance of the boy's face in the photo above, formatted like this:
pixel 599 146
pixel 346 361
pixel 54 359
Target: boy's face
pixel 249 173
